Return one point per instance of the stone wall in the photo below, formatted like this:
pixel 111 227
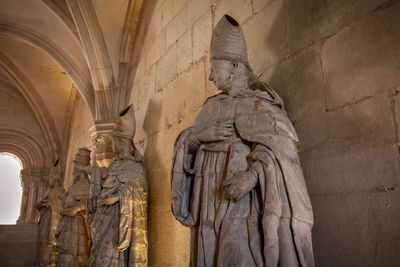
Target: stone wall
pixel 79 135
pixel 336 65
pixel 18 245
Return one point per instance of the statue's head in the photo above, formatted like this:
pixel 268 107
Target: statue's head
pixel 124 130
pixel 81 161
pixel 228 53
pixel 55 173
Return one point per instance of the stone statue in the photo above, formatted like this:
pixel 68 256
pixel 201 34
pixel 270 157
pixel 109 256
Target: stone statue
pixel 236 175
pixel 117 210
pixel 49 208
pixel 73 234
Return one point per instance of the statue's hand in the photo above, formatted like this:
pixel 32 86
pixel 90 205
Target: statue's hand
pixel 108 201
pixel 217 131
pixel 239 185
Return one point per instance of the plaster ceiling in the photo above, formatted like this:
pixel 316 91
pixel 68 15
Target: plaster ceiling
pixel 46 76
pixel 47 47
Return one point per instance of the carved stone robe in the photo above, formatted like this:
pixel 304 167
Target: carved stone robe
pixel 271 225
pixel 73 235
pixel 119 231
pixel 49 208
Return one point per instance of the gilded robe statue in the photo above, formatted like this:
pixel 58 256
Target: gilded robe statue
pixel 73 234
pixel 49 208
pixel 236 175
pixel 117 211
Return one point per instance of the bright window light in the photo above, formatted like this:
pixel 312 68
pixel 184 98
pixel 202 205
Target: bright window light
pixel 10 188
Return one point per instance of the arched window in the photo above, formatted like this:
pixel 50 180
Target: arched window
pixel 10 188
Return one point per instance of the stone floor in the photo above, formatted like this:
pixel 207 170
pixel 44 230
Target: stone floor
pixel 18 245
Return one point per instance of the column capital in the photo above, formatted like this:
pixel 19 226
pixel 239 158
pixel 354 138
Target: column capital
pixel 101 134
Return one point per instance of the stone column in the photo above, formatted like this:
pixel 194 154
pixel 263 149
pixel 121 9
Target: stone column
pixel 25 183
pixel 33 196
pixel 101 134
pixel 43 183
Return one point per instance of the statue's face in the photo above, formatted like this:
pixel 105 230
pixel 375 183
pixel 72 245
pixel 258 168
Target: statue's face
pixel 221 71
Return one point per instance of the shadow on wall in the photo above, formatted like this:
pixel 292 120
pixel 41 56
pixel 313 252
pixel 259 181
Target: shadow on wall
pixel 152 155
pixel 147 12
pixel 307 50
pixel 339 80
pixel 151 126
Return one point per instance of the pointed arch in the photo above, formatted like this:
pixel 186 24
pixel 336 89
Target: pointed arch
pixel 78 74
pixel 18 142
pixel 35 102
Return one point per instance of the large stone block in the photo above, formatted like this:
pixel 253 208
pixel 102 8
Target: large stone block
pixel 239 9
pixel 386 230
pixel 311 20
pixel 154 28
pixel 340 235
pixel 359 170
pixel 298 80
pixel 363 59
pixel 173 109
pixel 176 27
pixel 163 147
pixel 167 12
pixel 265 36
pixel 202 32
pixel 196 8
pixel 169 241
pixel 160 185
pixel 366 124
pixel 147 85
pixel 195 89
pixel 152 118
pixel 156 50
pixel 184 51
pixel 166 68
pixel 160 146
pixel 79 135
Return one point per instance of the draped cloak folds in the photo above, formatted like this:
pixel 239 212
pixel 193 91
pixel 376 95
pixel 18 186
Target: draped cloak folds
pixel 272 224
pixel 73 235
pixel 119 231
pixel 48 223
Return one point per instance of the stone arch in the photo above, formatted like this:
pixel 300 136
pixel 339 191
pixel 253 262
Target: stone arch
pixel 80 77
pixel 22 154
pixel 35 102
pixel 30 152
pixel 35 168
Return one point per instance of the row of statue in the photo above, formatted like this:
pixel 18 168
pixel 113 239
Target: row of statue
pixel 236 180
pixel 101 221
